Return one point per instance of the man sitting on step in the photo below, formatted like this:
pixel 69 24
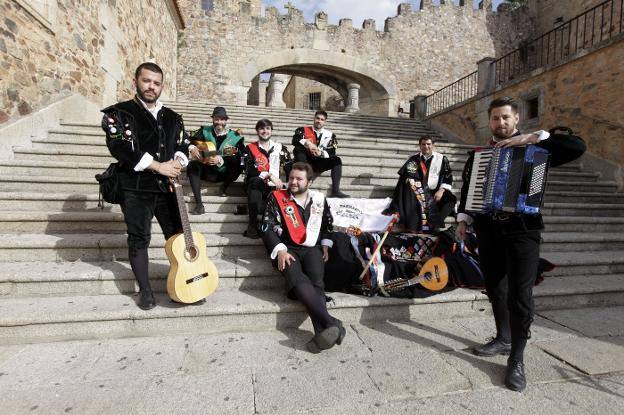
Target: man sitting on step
pixel 151 145
pixel 217 153
pixel 263 161
pixel 423 196
pixel 295 229
pixel 317 146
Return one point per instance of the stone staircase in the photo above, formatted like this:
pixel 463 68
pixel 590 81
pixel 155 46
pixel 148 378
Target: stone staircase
pixel 63 269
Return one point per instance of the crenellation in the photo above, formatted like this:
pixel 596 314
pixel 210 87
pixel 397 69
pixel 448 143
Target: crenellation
pixel 404 9
pixel 345 23
pixel 368 24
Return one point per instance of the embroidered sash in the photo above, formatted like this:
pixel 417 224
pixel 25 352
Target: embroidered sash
pixel 300 232
pixel 260 159
pixel 270 164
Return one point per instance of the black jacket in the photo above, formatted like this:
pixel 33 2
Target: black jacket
pixel 131 131
pixel 275 231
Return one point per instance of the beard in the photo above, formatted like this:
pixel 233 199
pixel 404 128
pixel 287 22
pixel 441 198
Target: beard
pixel 218 129
pixel 296 190
pixel 503 134
pixel 146 99
pixel 264 139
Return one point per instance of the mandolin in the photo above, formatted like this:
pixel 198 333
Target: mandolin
pixel 432 276
pixel 192 276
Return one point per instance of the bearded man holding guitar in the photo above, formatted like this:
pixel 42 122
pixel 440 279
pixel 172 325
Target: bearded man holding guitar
pixel 151 145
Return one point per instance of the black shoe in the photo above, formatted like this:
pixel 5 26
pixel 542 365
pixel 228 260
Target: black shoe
pixel 241 210
pixel 146 300
pixel 222 191
pixel 327 338
pixel 199 210
pixel 252 232
pixel 338 193
pixel 514 377
pixel 492 348
pixel 343 331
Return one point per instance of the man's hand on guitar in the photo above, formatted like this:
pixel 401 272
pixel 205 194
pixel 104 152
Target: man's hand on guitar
pixel 276 181
pixel 325 253
pixel 284 259
pixel 460 231
pixel 171 168
pixel 518 141
pixel 195 154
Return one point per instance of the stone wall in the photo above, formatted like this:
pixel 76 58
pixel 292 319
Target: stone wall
pixel 584 94
pixel 298 90
pixel 548 12
pixel 418 52
pixel 90 48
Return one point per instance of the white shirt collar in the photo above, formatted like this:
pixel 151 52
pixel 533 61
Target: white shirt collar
pixel 271 144
pixel 305 202
pixel 154 111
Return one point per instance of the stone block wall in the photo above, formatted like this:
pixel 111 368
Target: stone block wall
pixel 584 94
pixel 547 12
pixel 296 94
pixel 91 49
pixel 418 52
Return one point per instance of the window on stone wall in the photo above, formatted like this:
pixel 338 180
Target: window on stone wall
pixel 42 10
pixel 315 101
pixel 531 106
pixel 207 5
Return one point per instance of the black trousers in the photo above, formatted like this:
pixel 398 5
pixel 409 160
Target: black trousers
pixel 509 257
pixel 257 192
pixel 318 164
pixel 308 268
pixel 139 208
pixel 197 170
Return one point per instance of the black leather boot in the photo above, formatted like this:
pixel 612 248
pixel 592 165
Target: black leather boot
pixel 492 348
pixel 146 300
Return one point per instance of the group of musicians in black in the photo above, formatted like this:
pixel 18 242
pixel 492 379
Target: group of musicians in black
pixel 152 146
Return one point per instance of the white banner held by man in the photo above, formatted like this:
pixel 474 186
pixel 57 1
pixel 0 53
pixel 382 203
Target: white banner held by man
pixel 364 214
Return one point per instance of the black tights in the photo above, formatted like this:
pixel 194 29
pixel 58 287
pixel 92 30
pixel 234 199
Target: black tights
pixel 139 262
pixel 313 299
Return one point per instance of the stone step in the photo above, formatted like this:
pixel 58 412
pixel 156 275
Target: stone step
pixel 351 174
pixel 108 221
pixel 66 141
pixel 105 247
pixel 33 319
pixel 106 278
pixel 20 279
pixel 557 191
pixel 13 201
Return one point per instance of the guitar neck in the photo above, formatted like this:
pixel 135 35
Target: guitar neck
pixel 186 225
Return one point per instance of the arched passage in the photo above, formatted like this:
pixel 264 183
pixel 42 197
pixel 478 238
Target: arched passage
pixel 377 93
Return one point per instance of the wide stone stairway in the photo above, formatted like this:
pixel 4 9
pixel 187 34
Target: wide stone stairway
pixel 63 261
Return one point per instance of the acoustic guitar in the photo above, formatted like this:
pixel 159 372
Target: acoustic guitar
pixel 192 276
pixel 432 276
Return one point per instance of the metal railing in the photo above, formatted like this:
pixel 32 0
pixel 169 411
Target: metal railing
pixel 593 26
pixel 589 28
pixel 452 94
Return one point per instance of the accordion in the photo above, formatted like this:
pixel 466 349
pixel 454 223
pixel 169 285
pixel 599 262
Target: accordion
pixel 508 180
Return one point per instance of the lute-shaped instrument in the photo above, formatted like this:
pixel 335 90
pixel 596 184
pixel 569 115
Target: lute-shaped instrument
pixel 432 276
pixel 192 276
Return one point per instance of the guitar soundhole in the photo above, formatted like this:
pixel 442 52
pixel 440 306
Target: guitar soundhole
pixel 191 253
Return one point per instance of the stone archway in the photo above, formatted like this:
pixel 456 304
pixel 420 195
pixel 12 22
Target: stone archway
pixel 377 94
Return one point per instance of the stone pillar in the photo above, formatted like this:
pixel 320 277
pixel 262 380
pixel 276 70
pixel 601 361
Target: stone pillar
pixel 353 101
pixel 486 76
pixel 277 84
pixel 420 107
pixel 262 93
